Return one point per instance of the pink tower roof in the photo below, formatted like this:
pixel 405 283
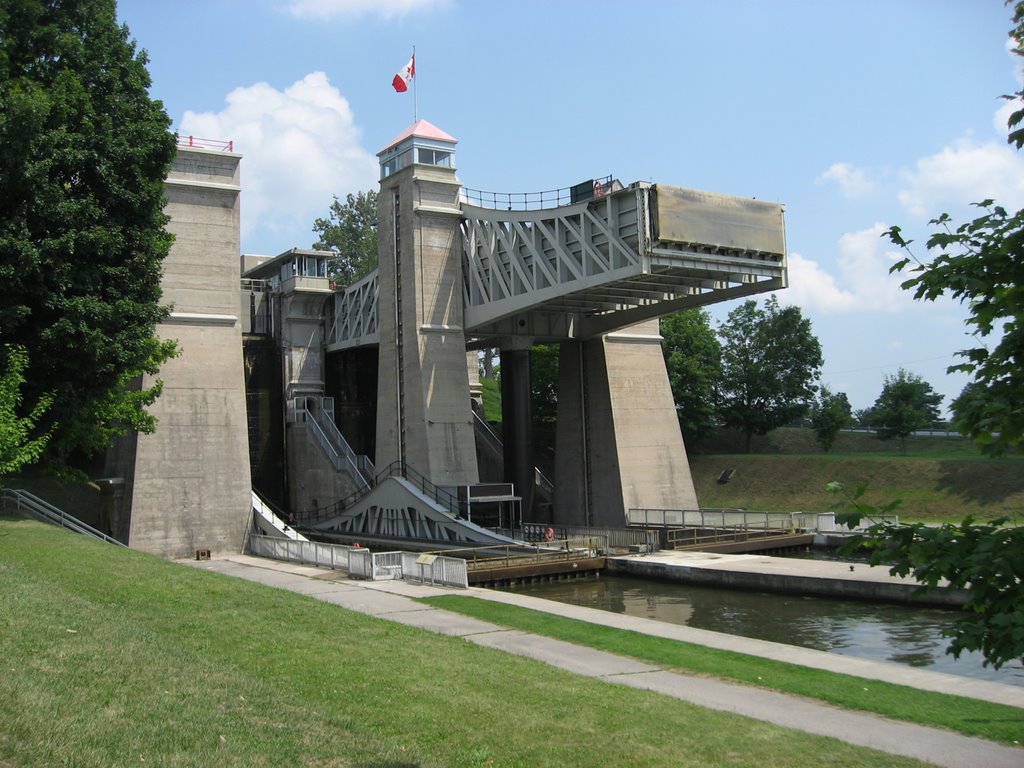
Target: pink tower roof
pixel 423 130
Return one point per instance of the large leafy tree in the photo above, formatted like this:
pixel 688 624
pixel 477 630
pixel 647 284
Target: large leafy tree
pixel 770 363
pixel 693 358
pixel 82 238
pixel 18 446
pixel 350 231
pixel 981 262
pixel 907 403
pixel 830 412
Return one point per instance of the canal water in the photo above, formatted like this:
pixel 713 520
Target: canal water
pixel 877 631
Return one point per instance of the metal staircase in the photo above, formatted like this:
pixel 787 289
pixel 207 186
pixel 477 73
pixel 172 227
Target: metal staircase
pixel 317 413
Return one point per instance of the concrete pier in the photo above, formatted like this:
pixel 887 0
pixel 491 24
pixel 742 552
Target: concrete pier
pixel 819 578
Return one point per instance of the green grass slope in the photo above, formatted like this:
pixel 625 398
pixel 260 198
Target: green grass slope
pixel 931 487
pixel 115 658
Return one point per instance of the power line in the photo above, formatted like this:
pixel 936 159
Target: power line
pixel 890 365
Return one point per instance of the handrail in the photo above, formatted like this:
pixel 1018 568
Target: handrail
pixel 532 201
pixel 321 428
pixel 498 444
pixel 199 143
pixel 354 459
pixel 325 443
pixel 26 502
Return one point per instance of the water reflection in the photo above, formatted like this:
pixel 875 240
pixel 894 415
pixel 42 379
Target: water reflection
pixel 911 636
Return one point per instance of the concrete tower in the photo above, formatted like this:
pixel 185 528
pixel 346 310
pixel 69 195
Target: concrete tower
pixel 424 415
pixel 187 485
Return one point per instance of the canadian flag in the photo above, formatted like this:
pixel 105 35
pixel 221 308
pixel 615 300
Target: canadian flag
pixel 405 76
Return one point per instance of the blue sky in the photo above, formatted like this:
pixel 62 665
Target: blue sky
pixel 854 115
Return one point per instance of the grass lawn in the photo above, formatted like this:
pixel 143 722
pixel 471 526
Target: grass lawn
pixel 969 716
pixel 112 657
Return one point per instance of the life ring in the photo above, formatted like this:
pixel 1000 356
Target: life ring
pixel 549 534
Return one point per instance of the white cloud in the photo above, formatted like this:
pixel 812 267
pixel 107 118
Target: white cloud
pixel 300 146
pixel 853 182
pixel 810 286
pixel 863 282
pixel 387 9
pixel 963 173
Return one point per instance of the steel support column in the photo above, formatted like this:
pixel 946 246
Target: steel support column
pixel 517 425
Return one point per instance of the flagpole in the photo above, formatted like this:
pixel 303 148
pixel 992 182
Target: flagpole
pixel 415 110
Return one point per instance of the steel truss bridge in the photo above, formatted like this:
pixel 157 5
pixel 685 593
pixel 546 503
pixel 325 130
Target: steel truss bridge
pixel 587 268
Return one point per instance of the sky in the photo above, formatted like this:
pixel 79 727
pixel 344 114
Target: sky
pixel 856 116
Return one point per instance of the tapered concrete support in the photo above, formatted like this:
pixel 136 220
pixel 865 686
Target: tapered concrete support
pixel 618 444
pixel 424 415
pixel 517 426
pixel 187 486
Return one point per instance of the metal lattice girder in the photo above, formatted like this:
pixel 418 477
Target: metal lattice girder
pixel 396 508
pixel 354 320
pixel 593 267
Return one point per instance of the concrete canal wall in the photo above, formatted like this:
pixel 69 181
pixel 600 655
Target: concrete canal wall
pixel 786 575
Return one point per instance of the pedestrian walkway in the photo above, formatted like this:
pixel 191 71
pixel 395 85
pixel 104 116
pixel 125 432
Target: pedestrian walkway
pixel 393 600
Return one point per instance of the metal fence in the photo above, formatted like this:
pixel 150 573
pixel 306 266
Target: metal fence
pixel 435 569
pixel 823 522
pixel 313 552
pixel 631 539
pixel 376 566
pixel 361 563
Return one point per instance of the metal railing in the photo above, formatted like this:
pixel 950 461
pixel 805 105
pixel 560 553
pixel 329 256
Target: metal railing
pixel 195 141
pixel 532 201
pixel 376 566
pixel 497 444
pixel 679 538
pixel 314 552
pixel 359 562
pixel 268 515
pixel 334 444
pixel 431 569
pixel 630 539
pixel 508 555
pixel 25 503
pixel 741 519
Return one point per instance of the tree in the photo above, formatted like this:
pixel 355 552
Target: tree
pixel 17 446
pixel 907 403
pixel 350 230
pixel 544 383
pixel 693 358
pixel 830 412
pixel 986 560
pixel 770 363
pixel 981 262
pixel 82 236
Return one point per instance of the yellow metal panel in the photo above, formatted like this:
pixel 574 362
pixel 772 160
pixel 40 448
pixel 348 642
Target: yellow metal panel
pixel 720 221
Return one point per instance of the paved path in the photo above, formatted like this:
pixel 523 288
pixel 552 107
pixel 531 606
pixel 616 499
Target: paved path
pixel 392 600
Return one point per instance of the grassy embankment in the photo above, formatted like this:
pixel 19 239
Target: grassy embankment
pixel 112 657
pixel 940 478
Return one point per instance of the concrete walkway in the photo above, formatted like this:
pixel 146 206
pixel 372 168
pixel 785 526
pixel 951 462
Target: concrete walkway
pixel 392 600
